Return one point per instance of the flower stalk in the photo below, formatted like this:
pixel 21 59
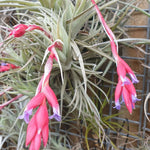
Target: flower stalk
pixel 38 125
pixel 124 87
pixel 43 93
pixel 10 101
pixel 20 29
pixel 7 66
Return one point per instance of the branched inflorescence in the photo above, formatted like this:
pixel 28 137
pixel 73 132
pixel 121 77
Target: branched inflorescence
pixel 38 125
pixel 124 87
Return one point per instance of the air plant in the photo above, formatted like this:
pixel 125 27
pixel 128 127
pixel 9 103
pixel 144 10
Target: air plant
pixel 66 31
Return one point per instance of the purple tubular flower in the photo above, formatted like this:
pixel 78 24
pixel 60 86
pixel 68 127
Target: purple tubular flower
pixel 133 78
pixel 3 64
pixel 55 115
pixel 118 106
pixel 125 81
pixel 135 99
pixel 26 115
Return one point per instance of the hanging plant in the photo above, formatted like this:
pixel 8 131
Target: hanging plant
pixel 73 36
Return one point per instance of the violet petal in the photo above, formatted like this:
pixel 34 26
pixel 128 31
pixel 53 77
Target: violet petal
pixel 125 81
pixel 56 116
pixel 135 99
pixel 118 106
pixel 3 64
pixel 134 78
pixel 26 115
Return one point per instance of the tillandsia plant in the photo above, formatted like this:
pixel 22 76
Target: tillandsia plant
pixel 37 128
pixel 67 80
pixel 124 87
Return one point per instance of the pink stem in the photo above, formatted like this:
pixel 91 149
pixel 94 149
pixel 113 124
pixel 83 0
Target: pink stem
pixel 10 101
pixel 5 91
pixel 111 36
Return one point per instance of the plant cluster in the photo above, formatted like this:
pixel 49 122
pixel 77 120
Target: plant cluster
pixel 68 31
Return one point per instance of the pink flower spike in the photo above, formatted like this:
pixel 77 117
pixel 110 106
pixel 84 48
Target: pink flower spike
pixel 36 142
pixel 42 126
pixel 42 114
pixel 127 99
pixel 50 95
pixel 39 87
pixel 130 72
pixel 19 30
pixel 121 71
pixel 114 50
pixel 128 96
pixel 31 130
pixel 6 67
pixel 57 44
pixel 111 36
pixel 37 128
pixel 132 91
pixel 52 56
pixel 47 69
pixel 52 100
pixel 45 133
pixel 35 101
pixel 131 87
pixel 57 59
pixel 118 92
pixel 26 115
pixel 12 66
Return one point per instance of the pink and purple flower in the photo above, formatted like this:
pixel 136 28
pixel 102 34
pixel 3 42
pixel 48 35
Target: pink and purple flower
pixel 20 29
pixel 128 94
pixel 7 66
pixel 38 128
pixel 40 119
pixel 124 87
